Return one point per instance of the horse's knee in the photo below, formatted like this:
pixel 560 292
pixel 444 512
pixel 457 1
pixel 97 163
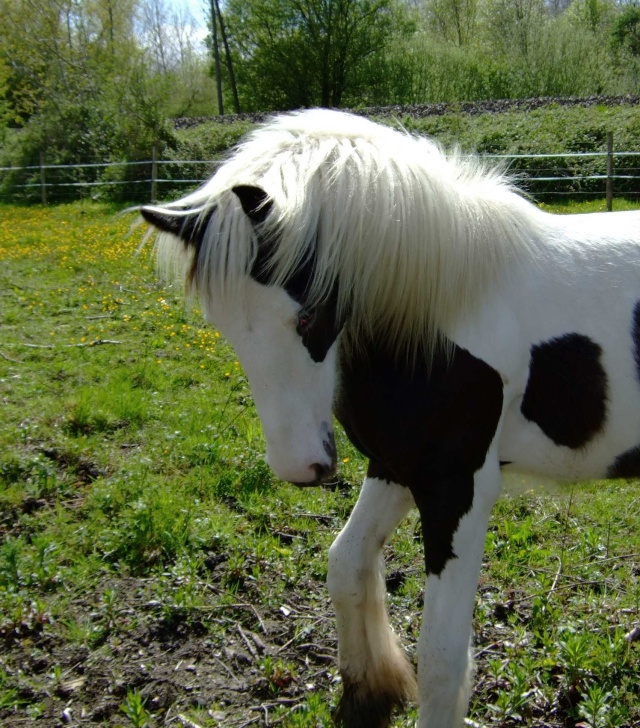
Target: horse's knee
pixel 340 573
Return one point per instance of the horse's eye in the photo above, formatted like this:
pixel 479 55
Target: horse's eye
pixel 305 318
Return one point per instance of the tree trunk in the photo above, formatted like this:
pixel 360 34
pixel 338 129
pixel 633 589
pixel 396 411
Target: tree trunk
pixel 216 56
pixel 232 75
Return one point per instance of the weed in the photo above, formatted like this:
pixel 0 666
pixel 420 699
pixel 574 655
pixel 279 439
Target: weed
pixel 133 707
pixel 83 631
pixel 108 607
pixel 10 563
pixel 575 656
pixel 279 674
pixel 595 706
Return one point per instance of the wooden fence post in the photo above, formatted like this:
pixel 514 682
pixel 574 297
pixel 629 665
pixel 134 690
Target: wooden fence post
pixel 609 171
pixel 43 183
pixel 154 173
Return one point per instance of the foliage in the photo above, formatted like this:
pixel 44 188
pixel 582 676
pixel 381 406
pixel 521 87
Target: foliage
pixel 626 30
pixel 288 54
pixel 87 92
pixel 547 130
pixel 308 52
pixel 103 78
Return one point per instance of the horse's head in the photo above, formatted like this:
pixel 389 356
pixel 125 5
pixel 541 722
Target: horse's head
pixel 286 346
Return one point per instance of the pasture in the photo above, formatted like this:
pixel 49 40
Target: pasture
pixel 154 572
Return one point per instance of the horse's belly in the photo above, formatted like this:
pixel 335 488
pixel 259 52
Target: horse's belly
pixel 525 449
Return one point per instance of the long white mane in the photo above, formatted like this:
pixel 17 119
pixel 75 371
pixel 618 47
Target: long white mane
pixel 414 236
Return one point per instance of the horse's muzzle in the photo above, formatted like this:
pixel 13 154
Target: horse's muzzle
pixel 323 471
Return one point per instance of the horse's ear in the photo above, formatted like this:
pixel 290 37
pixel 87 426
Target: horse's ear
pixel 255 202
pixel 186 227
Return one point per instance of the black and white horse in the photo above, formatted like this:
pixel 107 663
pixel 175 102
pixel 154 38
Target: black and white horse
pixel 454 330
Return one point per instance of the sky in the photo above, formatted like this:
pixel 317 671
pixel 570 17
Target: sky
pixel 195 7
pixel 198 10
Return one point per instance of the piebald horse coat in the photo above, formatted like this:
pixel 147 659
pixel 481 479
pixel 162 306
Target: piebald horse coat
pixel 452 327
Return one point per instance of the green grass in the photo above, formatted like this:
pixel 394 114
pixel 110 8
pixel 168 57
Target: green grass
pixel 146 544
pixel 571 207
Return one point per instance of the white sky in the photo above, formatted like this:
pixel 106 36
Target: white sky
pixel 195 7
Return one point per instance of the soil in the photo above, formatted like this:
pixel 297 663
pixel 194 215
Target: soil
pixel 176 661
pixel 494 106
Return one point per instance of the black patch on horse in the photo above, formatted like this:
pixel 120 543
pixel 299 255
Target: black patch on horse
pixel 566 395
pixel 635 336
pixel 626 465
pixel 321 324
pixel 425 427
pixel 321 327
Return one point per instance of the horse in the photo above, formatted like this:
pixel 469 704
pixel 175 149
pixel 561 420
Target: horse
pixel 454 329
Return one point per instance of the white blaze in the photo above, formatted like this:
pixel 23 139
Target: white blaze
pixel 293 394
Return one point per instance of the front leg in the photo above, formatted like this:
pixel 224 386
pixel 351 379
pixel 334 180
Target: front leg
pixel 375 672
pixel 445 668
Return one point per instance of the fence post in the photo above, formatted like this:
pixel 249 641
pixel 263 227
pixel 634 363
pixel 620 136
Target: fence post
pixel 154 173
pixel 609 171
pixel 43 183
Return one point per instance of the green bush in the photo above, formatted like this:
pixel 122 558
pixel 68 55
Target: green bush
pixel 552 129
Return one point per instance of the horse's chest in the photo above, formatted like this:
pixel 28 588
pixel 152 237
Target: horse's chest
pixel 422 422
pixel 427 428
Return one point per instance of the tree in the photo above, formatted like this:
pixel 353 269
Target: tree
pixel 516 24
pixel 454 20
pixel 175 66
pixel 626 30
pixel 83 92
pixel 296 53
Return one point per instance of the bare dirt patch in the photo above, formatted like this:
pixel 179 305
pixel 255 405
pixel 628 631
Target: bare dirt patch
pixel 212 659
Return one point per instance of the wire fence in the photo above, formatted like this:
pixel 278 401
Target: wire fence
pixel 543 176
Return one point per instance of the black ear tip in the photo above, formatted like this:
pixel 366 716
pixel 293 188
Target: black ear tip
pixel 255 202
pixel 148 214
pixel 170 221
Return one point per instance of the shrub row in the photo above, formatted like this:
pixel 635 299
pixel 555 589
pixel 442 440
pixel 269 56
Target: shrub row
pixel 527 129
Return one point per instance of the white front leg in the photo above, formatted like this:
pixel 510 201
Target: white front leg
pixel 444 666
pixel 375 672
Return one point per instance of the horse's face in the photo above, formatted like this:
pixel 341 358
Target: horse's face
pixel 292 392
pixel 289 355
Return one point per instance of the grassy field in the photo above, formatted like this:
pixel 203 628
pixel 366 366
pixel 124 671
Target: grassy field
pixel 152 570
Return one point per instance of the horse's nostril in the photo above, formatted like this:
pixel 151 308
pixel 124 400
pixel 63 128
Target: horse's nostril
pixel 323 471
pixel 330 446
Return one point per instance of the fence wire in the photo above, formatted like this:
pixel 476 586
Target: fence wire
pixel 542 176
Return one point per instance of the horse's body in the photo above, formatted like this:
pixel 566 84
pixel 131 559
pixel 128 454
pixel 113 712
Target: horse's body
pixel 453 328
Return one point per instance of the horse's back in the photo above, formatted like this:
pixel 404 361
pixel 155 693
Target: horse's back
pixel 566 342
